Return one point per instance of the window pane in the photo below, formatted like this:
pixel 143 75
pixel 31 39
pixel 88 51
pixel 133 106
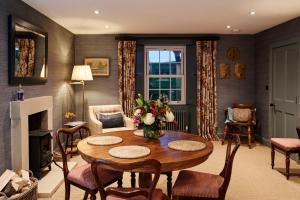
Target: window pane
pixel 176 83
pixel 165 83
pixel 164 56
pixel 153 68
pixel 153 56
pixel 165 68
pixel 153 94
pixel 175 95
pixel 153 83
pixel 165 93
pixel 176 56
pixel 176 68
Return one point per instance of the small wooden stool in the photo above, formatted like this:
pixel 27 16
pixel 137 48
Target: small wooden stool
pixel 288 146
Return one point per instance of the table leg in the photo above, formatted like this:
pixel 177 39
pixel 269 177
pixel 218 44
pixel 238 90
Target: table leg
pixel 145 180
pixel 71 145
pixel 80 134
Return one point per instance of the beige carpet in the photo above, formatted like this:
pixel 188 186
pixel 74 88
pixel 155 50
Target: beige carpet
pixel 252 178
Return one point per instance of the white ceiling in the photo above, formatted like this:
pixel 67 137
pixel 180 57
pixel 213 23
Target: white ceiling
pixel 167 16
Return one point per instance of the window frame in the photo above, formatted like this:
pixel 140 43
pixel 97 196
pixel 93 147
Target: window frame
pixel 147 76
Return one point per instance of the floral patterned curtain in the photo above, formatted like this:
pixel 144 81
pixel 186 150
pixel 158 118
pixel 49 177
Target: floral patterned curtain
pixel 126 63
pixel 206 89
pixel 25 57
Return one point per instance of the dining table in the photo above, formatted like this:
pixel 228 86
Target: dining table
pixel 170 159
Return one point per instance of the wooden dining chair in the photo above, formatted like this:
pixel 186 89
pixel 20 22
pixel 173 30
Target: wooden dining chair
pixel 82 176
pixel 117 193
pixel 191 185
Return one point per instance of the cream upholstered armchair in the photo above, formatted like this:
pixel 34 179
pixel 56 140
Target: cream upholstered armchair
pixel 96 126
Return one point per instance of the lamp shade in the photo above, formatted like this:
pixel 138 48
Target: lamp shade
pixel 82 73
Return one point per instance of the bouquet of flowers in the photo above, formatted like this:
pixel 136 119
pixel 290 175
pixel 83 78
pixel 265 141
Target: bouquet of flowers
pixel 69 116
pixel 152 115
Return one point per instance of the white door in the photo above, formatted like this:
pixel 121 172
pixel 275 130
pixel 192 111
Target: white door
pixel 285 90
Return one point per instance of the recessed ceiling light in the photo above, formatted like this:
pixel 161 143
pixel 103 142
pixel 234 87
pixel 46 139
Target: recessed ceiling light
pixel 97 12
pixel 228 27
pixel 106 26
pixel 236 30
pixel 252 12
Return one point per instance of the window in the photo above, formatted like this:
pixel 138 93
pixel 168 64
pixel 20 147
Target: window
pixel 165 73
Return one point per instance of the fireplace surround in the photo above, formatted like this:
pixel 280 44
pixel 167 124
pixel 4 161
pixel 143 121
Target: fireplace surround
pixel 19 115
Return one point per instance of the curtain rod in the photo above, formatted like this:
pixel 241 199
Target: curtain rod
pixel 166 36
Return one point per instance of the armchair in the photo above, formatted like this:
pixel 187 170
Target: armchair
pixel 97 127
pixel 238 117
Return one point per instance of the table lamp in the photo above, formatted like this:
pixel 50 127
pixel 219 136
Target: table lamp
pixel 82 73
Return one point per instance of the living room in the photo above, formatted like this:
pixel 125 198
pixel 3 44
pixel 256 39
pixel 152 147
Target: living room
pixel 250 41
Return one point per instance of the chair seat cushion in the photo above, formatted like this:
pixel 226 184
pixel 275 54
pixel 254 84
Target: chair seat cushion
pixel 287 144
pixel 83 176
pixel 197 184
pixel 157 195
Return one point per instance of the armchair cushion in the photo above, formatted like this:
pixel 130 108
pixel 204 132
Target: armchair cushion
pixel 111 120
pixel 241 114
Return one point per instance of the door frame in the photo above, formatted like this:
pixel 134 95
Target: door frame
pixel 295 40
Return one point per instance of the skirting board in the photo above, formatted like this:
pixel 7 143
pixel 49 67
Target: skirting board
pixel 48 185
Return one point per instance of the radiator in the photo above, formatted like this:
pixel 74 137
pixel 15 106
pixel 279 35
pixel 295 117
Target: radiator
pixel 181 119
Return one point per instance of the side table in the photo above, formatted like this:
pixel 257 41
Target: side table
pixel 71 125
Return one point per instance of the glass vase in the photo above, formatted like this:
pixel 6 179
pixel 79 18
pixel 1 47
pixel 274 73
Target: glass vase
pixel 151 132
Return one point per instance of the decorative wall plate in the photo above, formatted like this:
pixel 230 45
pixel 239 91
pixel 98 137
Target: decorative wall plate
pixel 233 54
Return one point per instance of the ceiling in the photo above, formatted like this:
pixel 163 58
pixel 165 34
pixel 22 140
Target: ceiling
pixel 167 16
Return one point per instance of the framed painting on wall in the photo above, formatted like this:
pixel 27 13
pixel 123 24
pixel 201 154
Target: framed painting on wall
pixel 224 72
pixel 99 66
pixel 240 71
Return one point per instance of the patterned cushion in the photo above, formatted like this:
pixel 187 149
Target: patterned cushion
pixel 197 184
pixel 83 176
pixel 241 114
pixel 157 195
pixel 287 144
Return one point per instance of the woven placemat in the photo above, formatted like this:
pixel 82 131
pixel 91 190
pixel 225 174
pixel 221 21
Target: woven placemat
pixel 186 145
pixel 130 151
pixel 104 140
pixel 140 132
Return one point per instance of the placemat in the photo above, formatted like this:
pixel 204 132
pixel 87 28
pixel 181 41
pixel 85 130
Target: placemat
pixel 140 132
pixel 186 145
pixel 104 140
pixel 130 151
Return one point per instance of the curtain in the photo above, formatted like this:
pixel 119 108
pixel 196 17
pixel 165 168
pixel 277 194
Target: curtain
pixel 206 89
pixel 25 55
pixel 126 65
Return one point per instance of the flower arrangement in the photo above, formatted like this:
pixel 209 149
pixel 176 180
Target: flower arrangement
pixel 152 115
pixel 70 115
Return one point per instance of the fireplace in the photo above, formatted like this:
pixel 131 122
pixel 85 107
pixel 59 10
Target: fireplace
pixel 40 155
pixel 40 109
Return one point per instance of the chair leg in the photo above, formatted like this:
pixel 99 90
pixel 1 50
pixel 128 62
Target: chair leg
pixel 67 190
pixel 120 182
pixel 169 183
pixel 272 155
pixel 249 136
pixel 225 134
pixel 93 196
pixel 287 163
pixel 86 194
pixel 132 179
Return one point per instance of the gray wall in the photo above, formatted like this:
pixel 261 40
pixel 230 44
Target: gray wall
pixel 263 41
pixel 232 90
pixel 60 62
pixel 102 90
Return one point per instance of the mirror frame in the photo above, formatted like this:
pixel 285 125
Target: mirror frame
pixel 12 80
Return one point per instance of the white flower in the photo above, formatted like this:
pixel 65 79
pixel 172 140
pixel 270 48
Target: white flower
pixel 137 112
pixel 169 116
pixel 149 119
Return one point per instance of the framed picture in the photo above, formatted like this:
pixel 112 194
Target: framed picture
pixel 224 71
pixel 99 66
pixel 240 71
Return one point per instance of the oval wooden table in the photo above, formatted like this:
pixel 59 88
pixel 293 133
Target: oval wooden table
pixel 170 159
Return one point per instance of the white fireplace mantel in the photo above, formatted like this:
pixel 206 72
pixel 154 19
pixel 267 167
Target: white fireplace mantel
pixel 19 112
